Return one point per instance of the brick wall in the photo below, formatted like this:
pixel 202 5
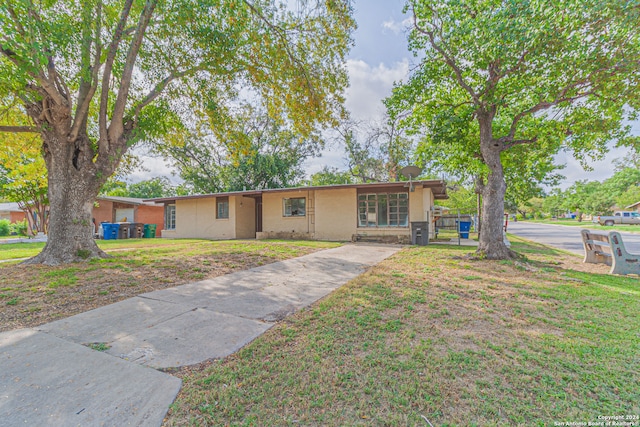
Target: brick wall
pixel 151 215
pixel 103 212
pixel 17 217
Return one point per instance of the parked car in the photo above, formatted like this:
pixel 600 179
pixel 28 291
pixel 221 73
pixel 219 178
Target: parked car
pixel 620 217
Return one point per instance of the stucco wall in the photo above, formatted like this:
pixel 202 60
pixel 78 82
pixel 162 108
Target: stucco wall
pixel 274 223
pixel 196 218
pixel 245 216
pixel 416 212
pixel 336 214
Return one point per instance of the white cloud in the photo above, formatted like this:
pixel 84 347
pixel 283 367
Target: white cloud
pixel 395 26
pixel 601 169
pixel 370 85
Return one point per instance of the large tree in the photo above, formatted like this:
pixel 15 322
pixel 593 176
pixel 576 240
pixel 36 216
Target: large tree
pixel 98 76
pixel 376 150
pixel 524 76
pixel 250 150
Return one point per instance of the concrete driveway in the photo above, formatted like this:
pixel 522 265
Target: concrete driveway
pixel 49 376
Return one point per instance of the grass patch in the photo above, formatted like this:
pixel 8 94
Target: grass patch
pixel 453 340
pixel 587 224
pixel 99 346
pixel 135 266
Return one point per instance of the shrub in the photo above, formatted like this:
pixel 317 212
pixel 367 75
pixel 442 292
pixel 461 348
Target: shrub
pixel 4 227
pixel 19 228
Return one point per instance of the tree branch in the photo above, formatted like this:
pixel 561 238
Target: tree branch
pixel 19 129
pixel 87 88
pixel 117 127
pixel 103 143
pixel 448 59
pixel 520 142
pixel 157 90
pixel 283 38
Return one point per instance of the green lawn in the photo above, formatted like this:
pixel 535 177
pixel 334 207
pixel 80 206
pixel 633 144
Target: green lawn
pixel 431 334
pixel 9 251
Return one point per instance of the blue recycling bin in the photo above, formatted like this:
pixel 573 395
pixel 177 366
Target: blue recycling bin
pixel 110 230
pixel 465 226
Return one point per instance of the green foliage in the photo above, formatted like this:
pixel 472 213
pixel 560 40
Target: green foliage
pixel 461 199
pixel 19 228
pixel 629 197
pixel 330 176
pixel 599 198
pixel 4 227
pixel 251 151
pixel 115 188
pixel 501 87
pixel 154 187
pixel 96 78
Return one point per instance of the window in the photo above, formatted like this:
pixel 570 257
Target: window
pixel 170 217
pixel 222 207
pixel 294 207
pixel 383 210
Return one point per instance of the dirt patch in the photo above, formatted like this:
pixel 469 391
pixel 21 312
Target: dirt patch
pixel 36 294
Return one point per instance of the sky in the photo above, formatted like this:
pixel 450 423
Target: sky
pixel 378 59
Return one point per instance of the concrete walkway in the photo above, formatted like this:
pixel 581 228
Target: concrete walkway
pixel 48 376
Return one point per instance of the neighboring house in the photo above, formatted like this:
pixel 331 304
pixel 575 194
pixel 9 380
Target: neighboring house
pixel 128 209
pixel 12 212
pixel 378 211
pixel 634 207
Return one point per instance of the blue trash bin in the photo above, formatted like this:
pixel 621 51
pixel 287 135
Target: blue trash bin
pixel 110 231
pixel 465 226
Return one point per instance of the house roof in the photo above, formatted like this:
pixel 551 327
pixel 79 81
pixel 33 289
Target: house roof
pixel 9 207
pixel 633 205
pixel 127 200
pixel 438 187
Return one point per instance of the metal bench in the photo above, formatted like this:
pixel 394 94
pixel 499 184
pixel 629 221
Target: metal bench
pixel 608 248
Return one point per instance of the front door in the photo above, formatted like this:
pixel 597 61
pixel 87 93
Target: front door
pixel 259 214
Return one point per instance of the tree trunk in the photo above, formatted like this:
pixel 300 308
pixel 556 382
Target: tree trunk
pixel 492 244
pixel 73 188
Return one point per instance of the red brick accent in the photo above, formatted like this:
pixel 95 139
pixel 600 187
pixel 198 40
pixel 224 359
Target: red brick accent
pixel 151 215
pixel 17 217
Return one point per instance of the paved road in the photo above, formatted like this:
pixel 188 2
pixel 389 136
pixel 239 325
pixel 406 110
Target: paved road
pixel 564 237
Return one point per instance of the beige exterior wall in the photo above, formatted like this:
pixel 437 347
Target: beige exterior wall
pixel 416 200
pixel 331 214
pixel 245 216
pixel 169 234
pixel 336 214
pixel 196 218
pixel 276 225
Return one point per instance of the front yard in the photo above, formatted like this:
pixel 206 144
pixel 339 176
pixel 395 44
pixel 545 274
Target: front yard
pixel 432 335
pixel 429 336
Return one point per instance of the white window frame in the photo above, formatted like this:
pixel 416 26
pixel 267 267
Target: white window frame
pixel 170 217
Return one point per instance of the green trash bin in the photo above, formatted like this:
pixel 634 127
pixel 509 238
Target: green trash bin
pixel 150 231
